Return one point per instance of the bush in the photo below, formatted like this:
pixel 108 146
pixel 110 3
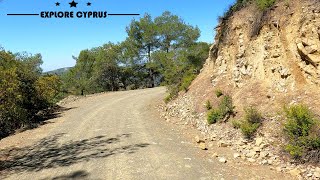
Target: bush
pixel 294 150
pixel 23 91
pixel 214 116
pixel 186 82
pixel 249 129
pixel 208 105
pixel 252 115
pixel 218 93
pixel 236 124
pixel 302 130
pixel 224 110
pixel 226 105
pixel 264 4
pixel 251 122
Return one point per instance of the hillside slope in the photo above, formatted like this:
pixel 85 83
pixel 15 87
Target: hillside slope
pixel 265 59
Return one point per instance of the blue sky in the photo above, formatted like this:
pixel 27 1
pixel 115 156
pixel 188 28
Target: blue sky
pixel 60 39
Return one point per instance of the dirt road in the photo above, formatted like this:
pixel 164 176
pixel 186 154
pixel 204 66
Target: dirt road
pixel 114 136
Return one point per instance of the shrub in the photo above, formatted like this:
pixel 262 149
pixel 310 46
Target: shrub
pixel 264 4
pixel 214 116
pixel 218 93
pixel 186 82
pixel 226 105
pixel 300 121
pixel 252 115
pixel 302 130
pixel 251 122
pixel 167 99
pixel 224 110
pixel 208 105
pixel 236 124
pixel 248 129
pixel 294 150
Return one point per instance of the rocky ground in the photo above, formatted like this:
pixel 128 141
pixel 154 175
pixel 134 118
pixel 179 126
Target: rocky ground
pixel 265 149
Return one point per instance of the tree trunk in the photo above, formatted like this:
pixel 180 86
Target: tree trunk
pixel 151 73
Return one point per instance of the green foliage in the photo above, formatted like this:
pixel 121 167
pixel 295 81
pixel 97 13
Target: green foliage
pixel 208 105
pixel 249 129
pixel 236 124
pixel 23 91
pixel 251 122
pixel 252 115
pixel 264 4
pixel 218 93
pixel 226 105
pixel 162 50
pixel 294 150
pixel 300 121
pixel 48 88
pixel 214 115
pixel 186 81
pixel 224 110
pixel 302 130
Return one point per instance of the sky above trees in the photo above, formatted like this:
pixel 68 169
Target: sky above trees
pixel 60 39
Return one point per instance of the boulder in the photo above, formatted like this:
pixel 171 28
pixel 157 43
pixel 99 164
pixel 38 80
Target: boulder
pixel 311 58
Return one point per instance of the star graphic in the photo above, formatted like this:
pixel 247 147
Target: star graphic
pixel 73 4
pixel 57 4
pixel 89 4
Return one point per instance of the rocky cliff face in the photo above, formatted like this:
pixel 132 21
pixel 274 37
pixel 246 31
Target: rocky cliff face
pixel 265 59
pixel 280 47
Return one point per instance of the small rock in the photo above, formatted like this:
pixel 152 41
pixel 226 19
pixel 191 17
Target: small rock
pixel 279 169
pixel 256 149
pixel 223 144
pixel 203 146
pixel 264 154
pixel 214 155
pixel 222 160
pixel 317 172
pixel 264 162
pixel 251 154
pixel 236 155
pixel 251 160
pixel 259 141
pixel 211 145
pixel 198 140
pixel 295 172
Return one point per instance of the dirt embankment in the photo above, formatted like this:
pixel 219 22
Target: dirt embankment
pixel 263 59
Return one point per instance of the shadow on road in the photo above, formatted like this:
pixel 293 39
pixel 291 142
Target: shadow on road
pixel 74 175
pixel 50 153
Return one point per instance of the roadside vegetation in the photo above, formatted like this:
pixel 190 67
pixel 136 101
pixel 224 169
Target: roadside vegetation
pixel 24 92
pixel 223 112
pixel 302 130
pixel 250 123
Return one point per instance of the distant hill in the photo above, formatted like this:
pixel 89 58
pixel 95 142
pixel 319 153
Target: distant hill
pixel 59 71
